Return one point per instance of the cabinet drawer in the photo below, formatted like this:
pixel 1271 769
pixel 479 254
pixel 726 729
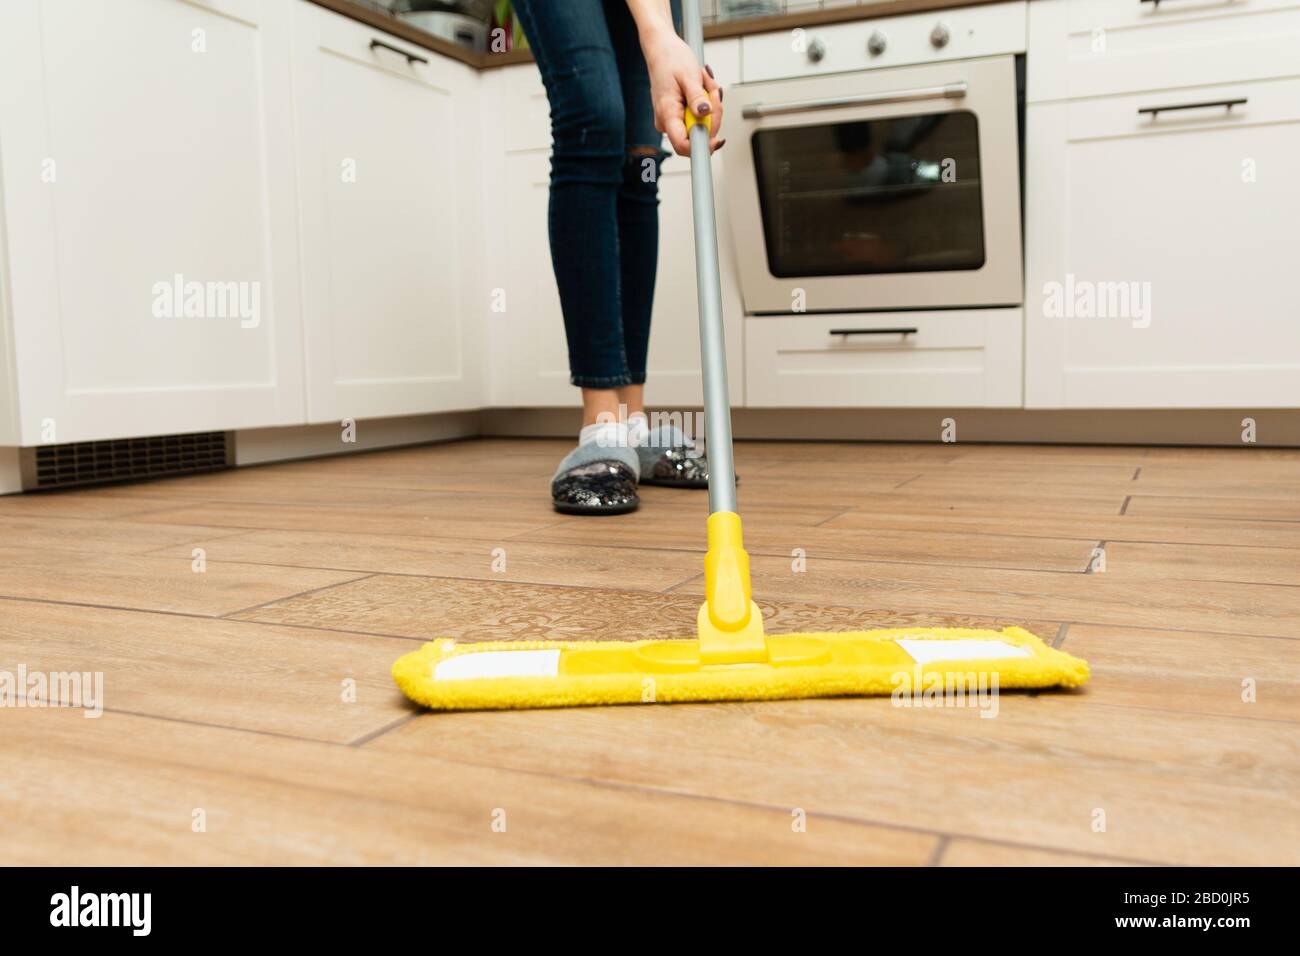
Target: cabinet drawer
pixel 1107 47
pixel 987 30
pixel 1183 110
pixel 950 358
pixel 365 46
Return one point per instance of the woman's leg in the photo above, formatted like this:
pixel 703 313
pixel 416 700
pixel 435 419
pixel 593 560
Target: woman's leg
pixel 572 45
pixel 571 42
pixel 638 199
pixel 665 454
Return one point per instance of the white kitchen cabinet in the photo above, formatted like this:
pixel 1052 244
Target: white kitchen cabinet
pixel 530 363
pixel 390 188
pixel 145 147
pixel 919 359
pixel 1160 250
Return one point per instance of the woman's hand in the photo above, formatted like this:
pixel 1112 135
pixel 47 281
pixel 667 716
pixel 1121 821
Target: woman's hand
pixel 676 79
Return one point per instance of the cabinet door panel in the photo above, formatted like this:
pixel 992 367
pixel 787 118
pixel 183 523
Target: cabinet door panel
pixel 149 212
pixel 1161 277
pixel 384 145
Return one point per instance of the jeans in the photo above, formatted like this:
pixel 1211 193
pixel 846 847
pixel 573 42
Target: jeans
pixel 603 218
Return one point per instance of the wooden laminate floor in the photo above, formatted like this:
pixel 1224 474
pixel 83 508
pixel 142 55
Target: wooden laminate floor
pixel 249 716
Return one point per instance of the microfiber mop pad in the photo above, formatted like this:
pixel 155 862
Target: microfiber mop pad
pixel 446 675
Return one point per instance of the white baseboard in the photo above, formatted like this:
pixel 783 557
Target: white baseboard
pixel 258 445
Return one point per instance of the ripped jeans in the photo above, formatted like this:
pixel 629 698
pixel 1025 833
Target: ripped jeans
pixel 603 218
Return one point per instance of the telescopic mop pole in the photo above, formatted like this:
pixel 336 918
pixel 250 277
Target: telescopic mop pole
pixel 717 405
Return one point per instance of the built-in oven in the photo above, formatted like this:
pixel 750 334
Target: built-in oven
pixel 880 189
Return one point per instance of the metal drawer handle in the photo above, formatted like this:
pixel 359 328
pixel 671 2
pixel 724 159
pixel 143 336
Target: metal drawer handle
pixel 898 331
pixel 410 57
pixel 949 91
pixel 1157 110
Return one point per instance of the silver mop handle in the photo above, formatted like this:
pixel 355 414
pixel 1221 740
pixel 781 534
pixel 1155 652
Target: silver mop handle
pixel 713 347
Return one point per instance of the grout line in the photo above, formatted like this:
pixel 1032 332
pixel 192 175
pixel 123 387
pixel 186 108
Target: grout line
pixel 1124 507
pixel 366 738
pixel 290 597
pixel 940 848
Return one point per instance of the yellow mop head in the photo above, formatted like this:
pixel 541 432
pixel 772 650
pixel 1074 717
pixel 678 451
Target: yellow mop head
pixel 731 659
pixel 445 675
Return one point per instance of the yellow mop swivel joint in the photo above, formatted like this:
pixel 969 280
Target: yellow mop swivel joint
pixel 730 625
pixel 730 658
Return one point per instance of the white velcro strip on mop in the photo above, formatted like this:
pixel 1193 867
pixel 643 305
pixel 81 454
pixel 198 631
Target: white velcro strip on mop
pixel 927 652
pixel 475 665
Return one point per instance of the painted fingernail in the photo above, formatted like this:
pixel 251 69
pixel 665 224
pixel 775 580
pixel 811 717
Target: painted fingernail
pixel 703 109
pixel 709 70
pixel 721 94
pixel 721 143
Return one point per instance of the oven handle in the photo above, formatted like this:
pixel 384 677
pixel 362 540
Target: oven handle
pixel 949 91
pixel 909 330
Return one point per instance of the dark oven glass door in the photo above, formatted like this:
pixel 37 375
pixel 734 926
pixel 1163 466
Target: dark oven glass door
pixel 872 196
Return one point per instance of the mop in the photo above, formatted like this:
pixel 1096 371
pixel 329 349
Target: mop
pixel 730 658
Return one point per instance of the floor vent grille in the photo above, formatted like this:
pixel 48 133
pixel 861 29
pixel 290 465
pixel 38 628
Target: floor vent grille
pixel 124 459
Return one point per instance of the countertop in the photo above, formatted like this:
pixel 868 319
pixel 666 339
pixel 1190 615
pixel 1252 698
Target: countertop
pixel 729 28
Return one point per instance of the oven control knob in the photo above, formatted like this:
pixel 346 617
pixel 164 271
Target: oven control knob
pixel 876 43
pixel 940 36
pixel 816 49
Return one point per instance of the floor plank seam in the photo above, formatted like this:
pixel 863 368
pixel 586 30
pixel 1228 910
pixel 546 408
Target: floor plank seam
pixel 940 848
pixel 190 615
pixel 768 552
pixel 1124 507
pixel 838 514
pixel 1061 631
pixel 167 548
pixel 291 597
pixel 1216 715
pixel 279 735
pixel 376 734
pixel 681 584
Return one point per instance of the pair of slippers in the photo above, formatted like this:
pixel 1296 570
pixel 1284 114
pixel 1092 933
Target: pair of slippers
pixel 596 479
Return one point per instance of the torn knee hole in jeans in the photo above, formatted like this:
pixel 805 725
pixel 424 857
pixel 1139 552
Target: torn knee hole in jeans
pixel 646 160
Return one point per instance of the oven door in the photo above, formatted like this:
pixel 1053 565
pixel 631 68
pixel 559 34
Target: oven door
pixel 883 189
